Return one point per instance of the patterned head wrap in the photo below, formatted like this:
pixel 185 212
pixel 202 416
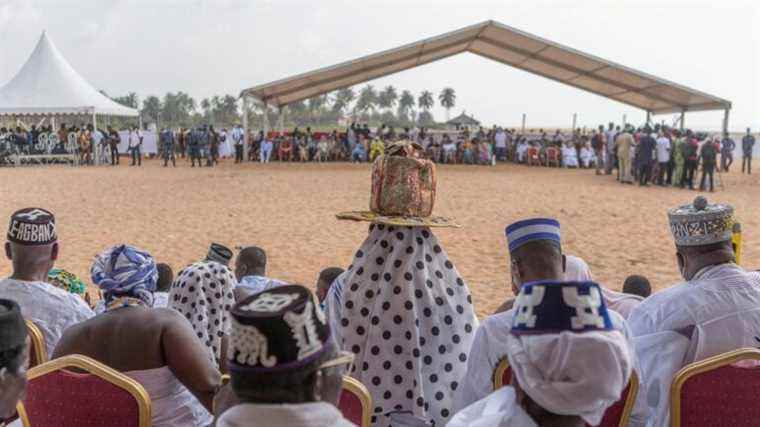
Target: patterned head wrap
pixel 125 271
pixel 67 281
pixel 202 292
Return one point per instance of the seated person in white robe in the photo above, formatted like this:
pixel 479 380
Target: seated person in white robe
pixel 568 363
pixel 522 148
pixel 717 306
pixel 569 156
pixel 251 272
pixel 32 247
pixel 587 156
pixel 285 367
pixel 156 347
pixel 536 255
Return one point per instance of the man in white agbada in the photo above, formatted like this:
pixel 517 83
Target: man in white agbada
pixel 285 368
pixel 568 362
pixel 715 310
pixel 569 156
pixel 536 255
pixel 32 247
pixel 407 314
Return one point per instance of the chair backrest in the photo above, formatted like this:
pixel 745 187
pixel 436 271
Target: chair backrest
pixel 552 153
pixel 57 396
pixel 619 413
pixel 718 391
pixel 38 351
pixel 355 402
pixel 502 375
pixel 616 415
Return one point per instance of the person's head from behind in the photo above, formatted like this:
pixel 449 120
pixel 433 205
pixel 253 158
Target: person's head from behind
pixel 125 271
pixel 32 243
pixel 566 372
pixel 251 261
pixel 325 280
pixel 165 277
pixel 535 251
pixel 274 359
pixel 14 352
pixel 637 285
pixel 695 248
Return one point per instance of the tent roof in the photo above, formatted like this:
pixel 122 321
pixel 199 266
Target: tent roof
pixel 509 46
pixel 47 84
pixel 463 119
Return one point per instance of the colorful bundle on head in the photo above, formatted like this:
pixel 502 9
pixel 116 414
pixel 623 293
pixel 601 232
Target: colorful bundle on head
pixel 68 281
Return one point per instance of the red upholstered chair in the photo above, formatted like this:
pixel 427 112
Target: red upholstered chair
pixel 355 402
pixel 533 157
pixel 552 156
pixel 56 396
pixel 502 375
pixel 618 414
pixel 718 391
pixel 38 349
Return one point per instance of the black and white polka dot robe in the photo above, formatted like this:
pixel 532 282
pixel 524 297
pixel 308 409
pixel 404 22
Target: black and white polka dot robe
pixel 408 317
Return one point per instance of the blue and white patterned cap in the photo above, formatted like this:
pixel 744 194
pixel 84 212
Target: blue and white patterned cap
pixel 547 307
pixel 529 230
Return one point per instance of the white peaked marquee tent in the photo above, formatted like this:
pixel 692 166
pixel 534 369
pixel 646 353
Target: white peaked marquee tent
pixel 508 46
pixel 48 85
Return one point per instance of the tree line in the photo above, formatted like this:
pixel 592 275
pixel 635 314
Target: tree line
pixel 367 105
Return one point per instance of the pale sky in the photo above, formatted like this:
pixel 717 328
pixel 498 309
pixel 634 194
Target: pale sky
pixel 222 46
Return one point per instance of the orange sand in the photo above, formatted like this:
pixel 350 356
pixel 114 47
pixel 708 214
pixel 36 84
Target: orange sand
pixel 289 210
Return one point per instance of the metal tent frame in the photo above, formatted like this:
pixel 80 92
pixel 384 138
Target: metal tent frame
pixel 506 45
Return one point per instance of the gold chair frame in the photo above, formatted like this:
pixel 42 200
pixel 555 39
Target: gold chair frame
pixel 696 368
pixel 498 374
pixel 630 398
pixel 38 343
pixel 358 389
pixel 100 370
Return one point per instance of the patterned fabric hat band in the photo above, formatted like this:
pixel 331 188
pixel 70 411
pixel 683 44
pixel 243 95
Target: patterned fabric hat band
pixel 529 230
pixel 547 307
pixel 277 330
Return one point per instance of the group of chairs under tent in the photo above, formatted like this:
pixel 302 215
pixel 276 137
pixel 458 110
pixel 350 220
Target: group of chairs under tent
pixel 46 149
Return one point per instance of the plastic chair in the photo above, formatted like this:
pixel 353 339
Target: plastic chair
pixel 38 351
pixel 717 391
pixel 57 396
pixel 355 402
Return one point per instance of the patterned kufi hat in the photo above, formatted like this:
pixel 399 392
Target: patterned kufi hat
pixel 32 226
pixel 701 223
pixel 278 330
pixel 219 253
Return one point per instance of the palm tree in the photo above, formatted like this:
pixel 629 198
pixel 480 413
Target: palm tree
pixel 425 101
pixel 206 107
pixel 405 103
pixel 367 99
pixel 448 99
pixel 342 99
pixel 387 98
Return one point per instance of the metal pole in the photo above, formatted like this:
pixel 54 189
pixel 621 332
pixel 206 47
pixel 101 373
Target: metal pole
pixel 683 120
pixel 281 120
pixel 725 121
pixel 575 120
pixel 245 126
pixel 625 122
pixel 96 149
pixel 649 117
pixel 523 123
pixel 266 119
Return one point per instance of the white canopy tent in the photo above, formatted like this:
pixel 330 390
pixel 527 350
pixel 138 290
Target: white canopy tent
pixel 48 85
pixel 508 46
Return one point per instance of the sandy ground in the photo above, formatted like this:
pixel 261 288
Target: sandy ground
pixel 288 209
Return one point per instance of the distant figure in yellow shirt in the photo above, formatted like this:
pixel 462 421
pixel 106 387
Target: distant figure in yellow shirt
pixel 376 149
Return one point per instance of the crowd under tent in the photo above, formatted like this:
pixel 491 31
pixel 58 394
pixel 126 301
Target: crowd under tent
pixel 48 86
pixel 509 46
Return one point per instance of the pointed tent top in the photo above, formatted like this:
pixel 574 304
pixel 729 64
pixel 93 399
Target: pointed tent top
pixel 463 119
pixel 48 84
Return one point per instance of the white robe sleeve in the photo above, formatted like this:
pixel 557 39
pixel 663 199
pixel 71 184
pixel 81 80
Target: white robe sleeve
pixel 477 383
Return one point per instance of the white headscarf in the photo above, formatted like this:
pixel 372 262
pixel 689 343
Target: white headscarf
pixel 572 373
pixel 408 316
pixel 202 292
pixel 576 270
